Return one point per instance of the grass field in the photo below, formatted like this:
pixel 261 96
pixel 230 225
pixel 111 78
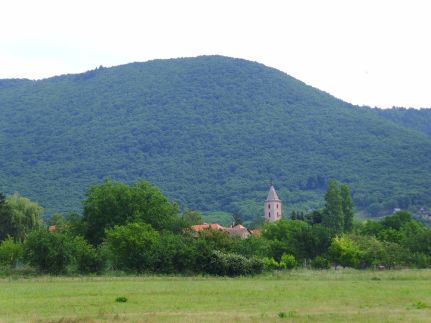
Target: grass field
pixel 298 296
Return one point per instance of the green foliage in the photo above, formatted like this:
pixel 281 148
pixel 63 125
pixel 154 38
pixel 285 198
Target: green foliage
pixel 297 238
pixel 132 246
pixel 18 216
pixel 57 219
pixel 270 264
pixel 333 217
pixel 344 251
pixel 222 218
pixel 192 217
pixel 253 246
pixel 320 262
pixel 416 119
pixel 88 259
pixel 347 207
pixel 121 299
pixel 6 227
pixel 288 261
pixel 202 129
pixel 174 254
pixel 10 252
pixel 49 252
pixel 232 264
pixel 113 203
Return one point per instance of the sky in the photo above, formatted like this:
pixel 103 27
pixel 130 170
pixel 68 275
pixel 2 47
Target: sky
pixel 375 53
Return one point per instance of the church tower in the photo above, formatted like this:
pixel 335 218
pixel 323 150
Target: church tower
pixel 272 206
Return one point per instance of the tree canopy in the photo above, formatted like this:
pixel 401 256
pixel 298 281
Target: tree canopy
pixel 113 203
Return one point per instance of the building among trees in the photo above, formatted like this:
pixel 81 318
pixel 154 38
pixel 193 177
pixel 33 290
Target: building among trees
pixel 272 206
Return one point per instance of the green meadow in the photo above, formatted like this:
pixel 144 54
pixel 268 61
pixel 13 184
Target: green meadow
pixel 296 296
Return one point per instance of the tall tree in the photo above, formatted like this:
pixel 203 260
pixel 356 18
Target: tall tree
pixel 18 216
pixel 113 203
pixel 5 218
pixel 332 216
pixel 347 206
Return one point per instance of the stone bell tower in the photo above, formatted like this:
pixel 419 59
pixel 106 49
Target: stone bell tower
pixel 272 206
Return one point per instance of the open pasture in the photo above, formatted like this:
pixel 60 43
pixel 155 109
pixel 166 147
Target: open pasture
pixel 297 296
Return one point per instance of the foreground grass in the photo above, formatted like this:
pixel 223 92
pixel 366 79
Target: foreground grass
pixel 299 296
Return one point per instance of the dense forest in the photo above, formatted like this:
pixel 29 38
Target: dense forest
pixel 211 132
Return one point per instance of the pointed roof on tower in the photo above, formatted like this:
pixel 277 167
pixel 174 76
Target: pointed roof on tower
pixel 272 194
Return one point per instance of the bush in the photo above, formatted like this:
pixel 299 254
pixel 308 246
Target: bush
pixel 49 252
pixel 320 263
pixel 10 252
pixel 174 254
pixel 288 261
pixel 420 260
pixel 232 264
pixel 270 264
pixel 88 259
pixel 132 246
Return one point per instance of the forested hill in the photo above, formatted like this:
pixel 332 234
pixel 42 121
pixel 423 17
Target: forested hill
pixel 418 119
pixel 210 131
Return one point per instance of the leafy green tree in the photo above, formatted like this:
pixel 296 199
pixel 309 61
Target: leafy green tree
pixel 113 203
pixel 174 253
pixel 297 238
pixel 49 252
pixel 86 257
pixel 320 262
pixel 288 261
pixel 6 227
pixel 18 216
pixel 332 216
pixel 347 207
pixel 10 252
pixel 132 246
pixel 206 242
pixel 344 251
pixel 232 264
pixel 420 242
pixel 253 246
pixel 57 219
pixel 192 217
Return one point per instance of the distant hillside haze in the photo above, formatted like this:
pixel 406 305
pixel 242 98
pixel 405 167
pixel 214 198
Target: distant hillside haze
pixel 212 132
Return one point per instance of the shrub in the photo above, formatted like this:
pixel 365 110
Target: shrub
pixel 320 263
pixel 420 260
pixel 88 259
pixel 271 264
pixel 132 246
pixel 48 252
pixel 232 264
pixel 121 299
pixel 10 252
pixel 288 261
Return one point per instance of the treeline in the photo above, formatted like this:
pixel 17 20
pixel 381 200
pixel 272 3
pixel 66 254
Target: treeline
pixel 134 228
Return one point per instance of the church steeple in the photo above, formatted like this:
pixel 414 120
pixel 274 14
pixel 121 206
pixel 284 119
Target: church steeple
pixel 272 206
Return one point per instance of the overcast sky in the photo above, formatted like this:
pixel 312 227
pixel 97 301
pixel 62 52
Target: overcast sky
pixel 375 53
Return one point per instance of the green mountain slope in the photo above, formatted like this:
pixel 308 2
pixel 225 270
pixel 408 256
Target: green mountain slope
pixel 210 131
pixel 417 119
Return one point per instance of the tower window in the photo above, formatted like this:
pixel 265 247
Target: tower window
pixel 277 206
pixel 269 206
pixel 269 214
